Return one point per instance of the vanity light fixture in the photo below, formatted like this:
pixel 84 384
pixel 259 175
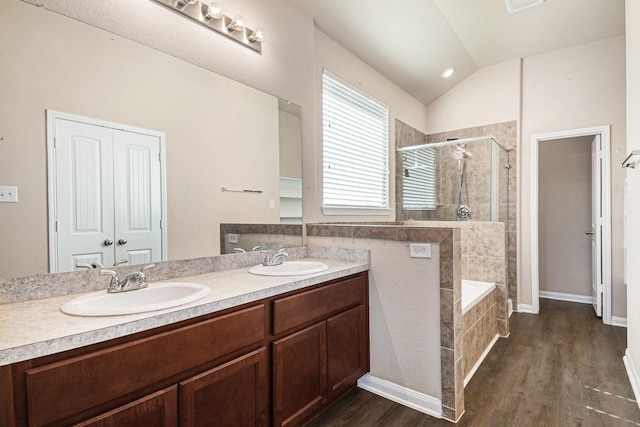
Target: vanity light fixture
pixel 448 72
pixel 210 15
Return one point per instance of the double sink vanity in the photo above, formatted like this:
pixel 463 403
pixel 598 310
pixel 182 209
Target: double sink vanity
pixel 256 345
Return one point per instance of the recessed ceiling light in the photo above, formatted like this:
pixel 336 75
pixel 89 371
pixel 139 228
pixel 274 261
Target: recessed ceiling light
pixel 518 5
pixel 448 72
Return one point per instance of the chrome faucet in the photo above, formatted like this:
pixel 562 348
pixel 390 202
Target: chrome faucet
pixel 276 259
pixel 133 281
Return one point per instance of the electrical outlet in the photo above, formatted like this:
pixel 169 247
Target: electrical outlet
pixel 8 194
pixel 233 238
pixel 420 250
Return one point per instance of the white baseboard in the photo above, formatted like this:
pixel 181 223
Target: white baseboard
pixel 480 360
pixel 559 296
pixel 526 308
pixel 402 395
pixel 634 379
pixel 619 321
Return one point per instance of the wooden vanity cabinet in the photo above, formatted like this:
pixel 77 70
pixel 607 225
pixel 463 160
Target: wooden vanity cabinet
pixel 317 364
pixel 278 361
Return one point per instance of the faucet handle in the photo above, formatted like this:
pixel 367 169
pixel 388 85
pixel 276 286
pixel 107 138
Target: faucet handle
pixel 120 261
pixel 282 251
pixel 115 282
pixel 255 248
pixel 145 268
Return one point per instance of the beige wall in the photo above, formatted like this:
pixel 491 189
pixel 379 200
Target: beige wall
pixel 578 87
pixel 338 60
pixel 490 95
pixel 217 130
pixel 633 176
pixel 404 312
pixel 564 213
pixel 290 145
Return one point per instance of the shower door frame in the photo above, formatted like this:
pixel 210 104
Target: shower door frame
pixel 605 135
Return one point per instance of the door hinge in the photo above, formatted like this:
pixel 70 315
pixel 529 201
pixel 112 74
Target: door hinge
pixel 56 227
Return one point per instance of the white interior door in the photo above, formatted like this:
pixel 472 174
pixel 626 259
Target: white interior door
pixel 107 198
pixel 84 195
pixel 596 223
pixel 138 197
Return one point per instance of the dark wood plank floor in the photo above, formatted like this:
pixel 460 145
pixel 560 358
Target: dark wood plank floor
pixel 561 368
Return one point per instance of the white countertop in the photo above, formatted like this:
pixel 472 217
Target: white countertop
pixel 35 328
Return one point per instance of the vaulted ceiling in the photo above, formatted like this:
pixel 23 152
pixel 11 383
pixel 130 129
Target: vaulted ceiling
pixel 412 41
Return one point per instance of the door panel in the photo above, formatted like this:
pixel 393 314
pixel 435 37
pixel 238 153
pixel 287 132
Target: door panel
pixel 138 197
pixel 84 193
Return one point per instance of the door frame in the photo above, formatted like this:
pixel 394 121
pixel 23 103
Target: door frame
pixel 52 116
pixel 605 135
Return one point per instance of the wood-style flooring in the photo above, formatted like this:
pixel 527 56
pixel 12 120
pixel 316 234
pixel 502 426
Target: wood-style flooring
pixel 561 368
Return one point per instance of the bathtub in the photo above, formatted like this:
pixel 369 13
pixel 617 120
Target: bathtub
pixel 479 327
pixel 473 292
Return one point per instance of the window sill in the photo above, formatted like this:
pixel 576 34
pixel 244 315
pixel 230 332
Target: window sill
pixel 330 210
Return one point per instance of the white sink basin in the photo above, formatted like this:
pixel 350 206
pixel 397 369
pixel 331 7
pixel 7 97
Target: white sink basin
pixel 289 268
pixel 154 297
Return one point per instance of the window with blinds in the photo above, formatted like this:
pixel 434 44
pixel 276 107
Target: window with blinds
pixel 419 179
pixel 354 147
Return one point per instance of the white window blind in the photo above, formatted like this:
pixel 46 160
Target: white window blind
pixel 354 147
pixel 419 179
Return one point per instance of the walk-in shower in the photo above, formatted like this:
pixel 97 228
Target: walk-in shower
pixel 454 180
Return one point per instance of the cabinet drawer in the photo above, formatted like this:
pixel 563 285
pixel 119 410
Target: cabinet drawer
pixel 318 304
pixel 62 389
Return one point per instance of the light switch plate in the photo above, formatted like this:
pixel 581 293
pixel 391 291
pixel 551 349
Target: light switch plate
pixel 420 250
pixel 8 194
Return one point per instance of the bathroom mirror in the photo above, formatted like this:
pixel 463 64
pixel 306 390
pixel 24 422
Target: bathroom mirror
pixel 219 133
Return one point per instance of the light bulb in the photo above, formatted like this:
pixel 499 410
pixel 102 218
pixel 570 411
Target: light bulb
pixel 448 72
pixel 237 23
pixel 214 10
pixel 258 35
pixel 187 2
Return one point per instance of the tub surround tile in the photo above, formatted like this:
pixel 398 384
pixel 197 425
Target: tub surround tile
pixel 447 318
pixel 485 269
pixel 448 375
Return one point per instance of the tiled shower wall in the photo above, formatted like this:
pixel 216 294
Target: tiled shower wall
pixel 478 177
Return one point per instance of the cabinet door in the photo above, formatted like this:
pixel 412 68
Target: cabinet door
pixel 158 409
pixel 233 394
pixel 347 349
pixel 299 375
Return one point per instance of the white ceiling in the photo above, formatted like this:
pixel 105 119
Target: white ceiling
pixel 412 41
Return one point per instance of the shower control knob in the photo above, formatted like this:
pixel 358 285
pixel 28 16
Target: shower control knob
pixel 588 232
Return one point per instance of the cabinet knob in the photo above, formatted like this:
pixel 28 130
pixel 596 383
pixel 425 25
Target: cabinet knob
pixel 122 241
pixel 108 242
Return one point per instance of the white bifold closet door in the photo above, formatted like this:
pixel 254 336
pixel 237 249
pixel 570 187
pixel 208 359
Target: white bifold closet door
pixel 108 195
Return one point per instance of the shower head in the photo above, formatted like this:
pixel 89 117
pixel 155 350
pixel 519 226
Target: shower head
pixel 460 153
